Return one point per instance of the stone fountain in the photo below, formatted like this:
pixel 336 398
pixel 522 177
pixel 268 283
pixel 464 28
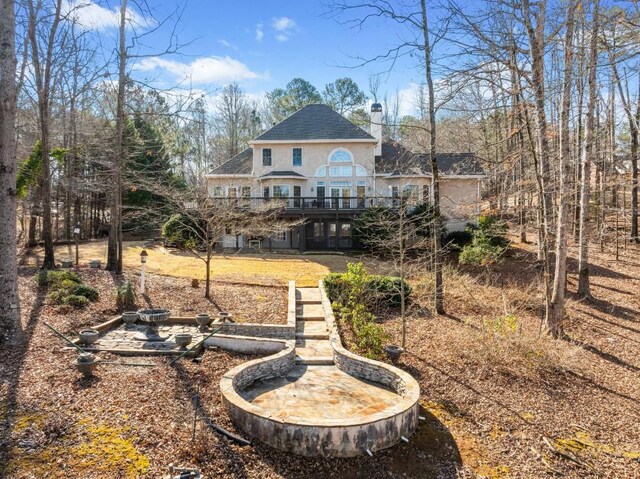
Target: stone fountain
pixel 153 318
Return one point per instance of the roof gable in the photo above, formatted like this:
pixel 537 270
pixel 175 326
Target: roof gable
pixel 314 122
pixel 241 164
pixel 396 160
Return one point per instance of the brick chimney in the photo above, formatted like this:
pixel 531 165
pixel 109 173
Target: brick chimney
pixel 376 126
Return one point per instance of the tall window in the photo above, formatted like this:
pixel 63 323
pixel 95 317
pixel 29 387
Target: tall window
pixel 280 191
pixel 265 192
pixel 340 171
pixel 297 193
pixel 297 157
pixel 266 157
pixel 426 193
pixel 410 191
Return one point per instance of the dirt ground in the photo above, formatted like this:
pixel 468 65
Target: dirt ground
pixel 499 401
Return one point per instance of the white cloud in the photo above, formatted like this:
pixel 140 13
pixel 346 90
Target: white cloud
pixel 408 99
pixel 202 70
pixel 90 15
pixel 259 32
pixel 285 27
pixel 283 24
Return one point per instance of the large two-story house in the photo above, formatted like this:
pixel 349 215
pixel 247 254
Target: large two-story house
pixel 327 170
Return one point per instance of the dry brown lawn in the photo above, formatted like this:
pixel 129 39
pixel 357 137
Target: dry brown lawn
pixel 265 268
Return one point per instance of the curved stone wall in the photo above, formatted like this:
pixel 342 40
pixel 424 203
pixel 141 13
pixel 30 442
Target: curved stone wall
pixel 312 435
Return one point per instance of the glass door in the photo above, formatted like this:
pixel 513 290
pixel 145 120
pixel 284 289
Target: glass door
pixel 335 196
pixel 346 197
pixel 297 192
pixel 345 235
pixel 332 234
pixel 360 194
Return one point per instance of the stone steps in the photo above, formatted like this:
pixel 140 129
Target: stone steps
pixel 312 347
pixel 315 360
pixel 312 335
pixel 308 296
pixel 309 312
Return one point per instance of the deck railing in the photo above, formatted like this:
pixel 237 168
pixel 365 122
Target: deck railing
pixel 313 203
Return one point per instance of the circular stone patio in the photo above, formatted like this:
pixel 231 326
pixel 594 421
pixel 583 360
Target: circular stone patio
pixel 315 398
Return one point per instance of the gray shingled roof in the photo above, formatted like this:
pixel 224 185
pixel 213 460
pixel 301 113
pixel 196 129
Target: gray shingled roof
pixel 396 160
pixel 241 164
pixel 282 173
pixel 315 122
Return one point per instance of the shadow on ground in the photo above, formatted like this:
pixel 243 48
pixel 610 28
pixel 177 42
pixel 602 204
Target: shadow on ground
pixel 13 357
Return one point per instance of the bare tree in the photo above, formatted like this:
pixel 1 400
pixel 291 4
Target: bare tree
pixel 414 17
pixel 555 312
pixel 437 254
pixel 9 300
pixel 402 234
pixel 42 57
pixel 200 221
pixel 588 156
pixel 114 250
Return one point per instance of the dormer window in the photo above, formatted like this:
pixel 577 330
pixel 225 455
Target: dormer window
pixel 297 157
pixel 266 157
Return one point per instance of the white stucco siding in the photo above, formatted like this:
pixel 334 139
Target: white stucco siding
pixel 459 201
pixel 384 185
pixel 231 182
pixel 313 156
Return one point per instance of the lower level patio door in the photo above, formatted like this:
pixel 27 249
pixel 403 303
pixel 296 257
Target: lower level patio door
pixel 339 235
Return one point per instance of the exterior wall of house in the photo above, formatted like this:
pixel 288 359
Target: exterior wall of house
pixel 314 156
pixel 384 186
pixel 222 184
pixel 460 201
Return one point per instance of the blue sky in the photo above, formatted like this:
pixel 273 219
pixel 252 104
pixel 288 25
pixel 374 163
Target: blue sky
pixel 260 44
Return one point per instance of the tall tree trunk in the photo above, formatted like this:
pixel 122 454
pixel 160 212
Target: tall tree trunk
pixel 634 173
pixel 536 49
pixel 114 252
pixel 437 220
pixel 9 301
pixel 588 155
pixel 43 75
pixel 555 313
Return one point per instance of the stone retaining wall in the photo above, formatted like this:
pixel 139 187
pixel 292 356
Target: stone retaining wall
pixel 257 330
pixel 272 366
pixel 245 344
pixel 401 382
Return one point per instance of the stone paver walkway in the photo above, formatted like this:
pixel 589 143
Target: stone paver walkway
pixel 121 340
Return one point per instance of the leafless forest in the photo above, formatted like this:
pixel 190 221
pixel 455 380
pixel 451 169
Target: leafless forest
pixel 546 92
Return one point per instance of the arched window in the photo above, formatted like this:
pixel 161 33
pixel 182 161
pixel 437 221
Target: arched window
pixel 360 171
pixel 321 172
pixel 340 155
